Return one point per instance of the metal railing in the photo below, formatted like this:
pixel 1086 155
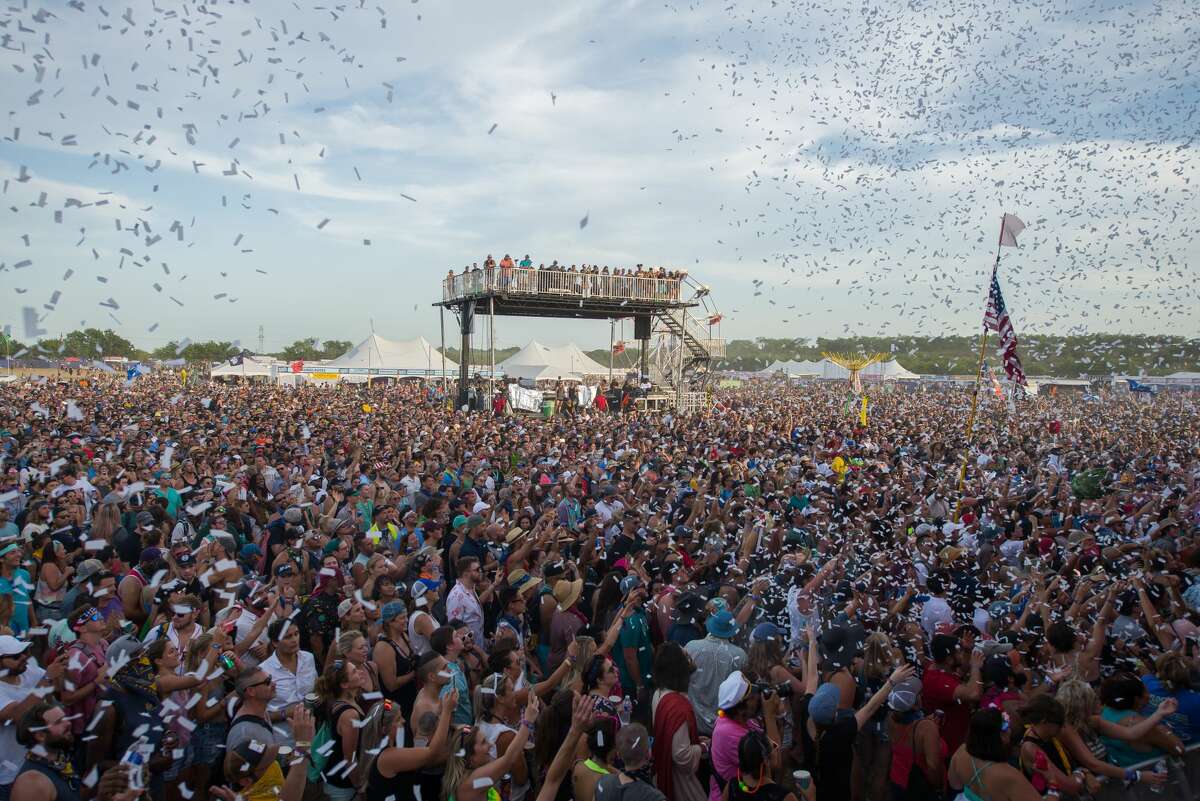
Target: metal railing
pixel 559 283
pixel 1183 781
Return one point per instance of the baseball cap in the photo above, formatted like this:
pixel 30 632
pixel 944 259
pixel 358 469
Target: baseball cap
pixel 422 586
pixel 344 607
pixel 823 706
pixel 285 569
pixel 88 568
pixel 293 515
pixel 391 610
pixel 629 584
pixel 905 695
pixel 765 632
pixel 11 646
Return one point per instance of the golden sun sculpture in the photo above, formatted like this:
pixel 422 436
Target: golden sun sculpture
pixel 856 364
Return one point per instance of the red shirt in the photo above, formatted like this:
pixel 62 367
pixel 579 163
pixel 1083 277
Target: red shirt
pixel 937 693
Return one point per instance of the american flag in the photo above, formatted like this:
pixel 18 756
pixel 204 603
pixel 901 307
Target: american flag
pixel 995 318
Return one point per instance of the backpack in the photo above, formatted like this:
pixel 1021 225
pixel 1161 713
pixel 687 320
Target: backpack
pixel 322 744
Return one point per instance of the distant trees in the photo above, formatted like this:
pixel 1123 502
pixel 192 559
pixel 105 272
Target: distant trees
pixel 196 351
pixel 88 343
pixel 1068 357
pixel 314 350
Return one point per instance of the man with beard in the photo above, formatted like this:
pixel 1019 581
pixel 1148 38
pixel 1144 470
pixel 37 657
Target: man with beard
pixel 19 692
pixel 47 774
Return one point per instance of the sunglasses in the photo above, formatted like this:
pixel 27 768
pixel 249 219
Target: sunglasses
pixel 267 680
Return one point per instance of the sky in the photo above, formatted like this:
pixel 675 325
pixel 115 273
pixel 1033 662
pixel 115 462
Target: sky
pixel 827 168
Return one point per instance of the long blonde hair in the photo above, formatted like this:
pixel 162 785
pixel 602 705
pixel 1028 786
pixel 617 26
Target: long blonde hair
pixel 877 656
pixel 1078 699
pixel 462 743
pixel 106 522
pixel 376 733
pixel 585 649
pixel 196 651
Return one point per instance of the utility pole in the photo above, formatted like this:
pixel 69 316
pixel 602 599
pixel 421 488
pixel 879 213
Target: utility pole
pixel 260 339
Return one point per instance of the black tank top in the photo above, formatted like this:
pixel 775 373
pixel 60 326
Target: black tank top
pixel 406 695
pixel 380 788
pixel 334 772
pixel 65 789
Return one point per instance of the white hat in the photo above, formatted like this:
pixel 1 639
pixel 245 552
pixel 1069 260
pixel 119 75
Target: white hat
pixel 11 646
pixel 732 690
pixel 479 507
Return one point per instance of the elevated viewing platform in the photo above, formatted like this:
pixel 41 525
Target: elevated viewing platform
pixel 561 293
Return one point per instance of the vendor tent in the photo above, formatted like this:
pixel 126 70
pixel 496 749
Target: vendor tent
pixel 880 371
pixel 538 362
pixel 793 368
pixel 250 367
pixel 378 356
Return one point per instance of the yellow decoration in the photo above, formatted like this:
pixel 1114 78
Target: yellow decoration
pixel 862 413
pixel 856 364
pixel 367 408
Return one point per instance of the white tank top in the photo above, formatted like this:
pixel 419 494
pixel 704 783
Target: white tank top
pixel 420 644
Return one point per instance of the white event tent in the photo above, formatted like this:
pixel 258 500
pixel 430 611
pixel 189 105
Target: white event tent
pixel 882 371
pixel 538 362
pixel 251 367
pixel 376 356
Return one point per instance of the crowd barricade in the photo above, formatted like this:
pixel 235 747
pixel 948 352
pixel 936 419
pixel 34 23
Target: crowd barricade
pixel 1183 781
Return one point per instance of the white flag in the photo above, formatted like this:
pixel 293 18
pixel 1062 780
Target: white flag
pixel 1009 228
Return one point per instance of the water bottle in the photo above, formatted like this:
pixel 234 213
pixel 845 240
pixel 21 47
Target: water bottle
pixel 626 713
pixel 1160 767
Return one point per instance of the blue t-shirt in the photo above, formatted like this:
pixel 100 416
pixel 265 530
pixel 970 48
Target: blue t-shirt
pixel 462 715
pixel 19 587
pixel 1185 722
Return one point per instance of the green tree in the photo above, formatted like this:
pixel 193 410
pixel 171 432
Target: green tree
pixel 312 349
pixel 89 343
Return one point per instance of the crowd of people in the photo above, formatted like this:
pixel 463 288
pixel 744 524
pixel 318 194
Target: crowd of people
pixel 585 280
pixel 212 591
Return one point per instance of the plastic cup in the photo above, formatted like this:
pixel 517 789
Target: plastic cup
pixel 803 779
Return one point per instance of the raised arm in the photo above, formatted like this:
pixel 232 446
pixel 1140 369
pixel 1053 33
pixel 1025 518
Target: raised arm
pixel 581 718
pixel 868 710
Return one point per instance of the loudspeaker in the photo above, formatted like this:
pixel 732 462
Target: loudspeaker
pixel 641 327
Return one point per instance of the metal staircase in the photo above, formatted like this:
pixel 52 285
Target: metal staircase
pixel 684 354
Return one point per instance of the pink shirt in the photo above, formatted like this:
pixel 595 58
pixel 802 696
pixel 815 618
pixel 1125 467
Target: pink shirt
pixel 726 736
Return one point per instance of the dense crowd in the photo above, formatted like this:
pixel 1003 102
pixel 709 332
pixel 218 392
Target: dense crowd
pixel 261 592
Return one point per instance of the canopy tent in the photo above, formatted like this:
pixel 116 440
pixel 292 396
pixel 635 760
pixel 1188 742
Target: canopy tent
pixel 880 371
pixel 538 362
pixel 793 368
pixel 378 356
pixel 251 367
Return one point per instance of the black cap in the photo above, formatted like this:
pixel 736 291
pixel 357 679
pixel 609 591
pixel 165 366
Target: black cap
pixel 185 559
pixel 285 569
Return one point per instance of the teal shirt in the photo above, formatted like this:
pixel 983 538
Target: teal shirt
pixel 1119 751
pixel 463 714
pixel 635 634
pixel 20 588
pixel 174 500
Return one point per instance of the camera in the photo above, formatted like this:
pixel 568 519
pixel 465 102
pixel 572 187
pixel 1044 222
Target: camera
pixel 783 689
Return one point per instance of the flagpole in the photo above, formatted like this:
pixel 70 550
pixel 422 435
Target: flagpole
pixel 962 472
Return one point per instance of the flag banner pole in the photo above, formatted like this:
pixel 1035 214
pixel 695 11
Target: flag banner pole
pixel 970 432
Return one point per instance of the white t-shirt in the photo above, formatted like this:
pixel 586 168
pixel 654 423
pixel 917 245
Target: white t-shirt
pixel 12 753
pixel 935 611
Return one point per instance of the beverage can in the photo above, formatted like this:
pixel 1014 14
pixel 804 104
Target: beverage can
pixel 803 779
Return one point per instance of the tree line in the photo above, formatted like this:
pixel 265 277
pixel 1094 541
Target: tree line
pixel 1062 356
